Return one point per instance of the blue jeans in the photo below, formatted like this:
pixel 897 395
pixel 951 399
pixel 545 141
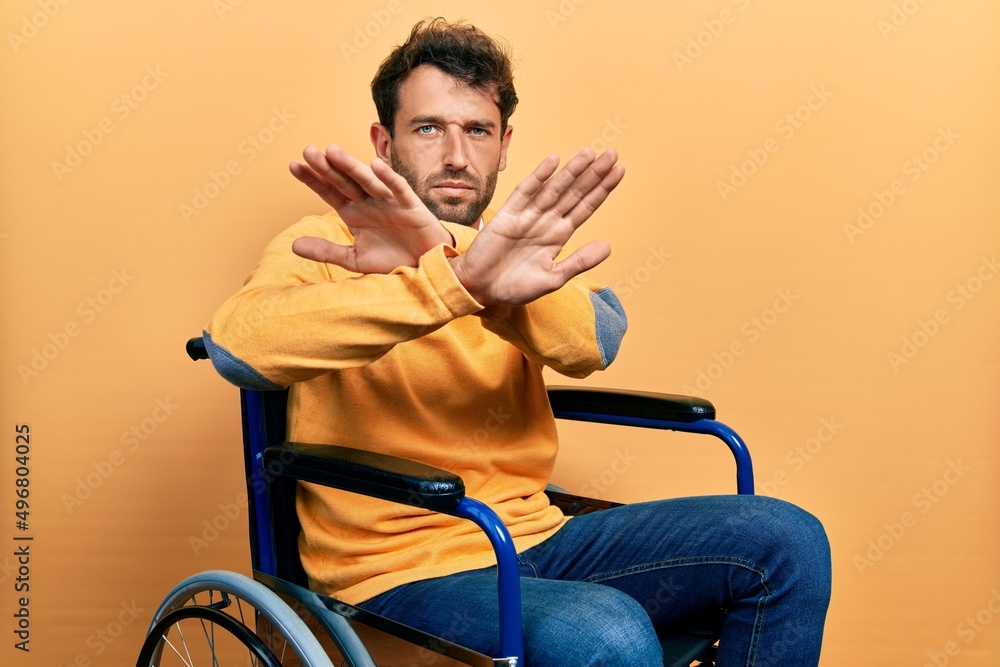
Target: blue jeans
pixel 601 589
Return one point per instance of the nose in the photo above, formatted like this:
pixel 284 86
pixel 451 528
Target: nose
pixel 455 151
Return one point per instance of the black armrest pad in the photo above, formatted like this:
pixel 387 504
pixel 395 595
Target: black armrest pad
pixel 622 403
pixel 367 473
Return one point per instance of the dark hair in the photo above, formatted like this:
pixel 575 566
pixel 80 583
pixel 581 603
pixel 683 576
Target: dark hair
pixel 457 49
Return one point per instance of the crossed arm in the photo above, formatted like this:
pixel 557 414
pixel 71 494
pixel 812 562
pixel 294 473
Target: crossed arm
pixel 510 263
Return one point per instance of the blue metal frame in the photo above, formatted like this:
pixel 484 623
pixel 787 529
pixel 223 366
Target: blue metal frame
pixel 744 465
pixel 508 578
pixel 260 531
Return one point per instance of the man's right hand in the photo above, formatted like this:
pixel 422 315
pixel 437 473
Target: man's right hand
pixel 512 261
pixel 390 225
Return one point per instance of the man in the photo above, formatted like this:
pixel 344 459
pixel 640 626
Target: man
pixel 408 324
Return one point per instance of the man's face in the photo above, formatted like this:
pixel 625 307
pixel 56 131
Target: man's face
pixel 448 144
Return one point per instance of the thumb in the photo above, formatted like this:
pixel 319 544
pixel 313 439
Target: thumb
pixel 321 250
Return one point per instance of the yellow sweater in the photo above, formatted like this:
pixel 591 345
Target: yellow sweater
pixel 409 364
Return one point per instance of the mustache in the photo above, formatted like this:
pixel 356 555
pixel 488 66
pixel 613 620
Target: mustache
pixel 454 177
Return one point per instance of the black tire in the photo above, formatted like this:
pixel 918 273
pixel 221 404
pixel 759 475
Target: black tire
pixel 223 618
pixel 152 653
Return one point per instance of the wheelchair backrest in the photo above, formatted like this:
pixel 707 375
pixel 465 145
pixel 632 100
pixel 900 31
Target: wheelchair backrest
pixel 274 524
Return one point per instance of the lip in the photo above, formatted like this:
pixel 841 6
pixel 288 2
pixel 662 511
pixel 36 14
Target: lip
pixel 453 189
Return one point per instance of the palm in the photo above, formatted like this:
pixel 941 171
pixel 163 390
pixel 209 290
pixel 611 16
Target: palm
pixel 390 225
pixel 513 261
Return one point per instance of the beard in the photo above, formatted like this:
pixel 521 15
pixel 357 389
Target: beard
pixel 450 209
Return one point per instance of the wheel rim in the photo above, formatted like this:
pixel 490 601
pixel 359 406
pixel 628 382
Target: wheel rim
pixel 216 629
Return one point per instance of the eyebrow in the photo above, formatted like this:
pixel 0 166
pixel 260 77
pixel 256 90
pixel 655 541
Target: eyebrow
pixel 440 120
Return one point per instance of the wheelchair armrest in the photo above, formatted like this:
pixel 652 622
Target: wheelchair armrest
pixel 651 410
pixel 367 473
pixel 411 483
pixel 629 404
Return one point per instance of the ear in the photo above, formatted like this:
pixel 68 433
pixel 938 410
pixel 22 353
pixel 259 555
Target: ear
pixel 382 141
pixel 504 143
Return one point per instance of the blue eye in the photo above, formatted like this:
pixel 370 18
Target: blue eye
pixel 425 129
pixel 479 132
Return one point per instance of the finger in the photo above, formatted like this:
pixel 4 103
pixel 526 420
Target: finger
pixel 590 202
pixel 397 185
pixel 548 196
pixel 529 186
pixel 328 172
pixel 321 250
pixel 356 173
pixel 588 180
pixel 582 186
pixel 582 259
pixel 324 189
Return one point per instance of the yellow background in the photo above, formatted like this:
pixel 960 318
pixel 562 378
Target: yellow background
pixel 774 302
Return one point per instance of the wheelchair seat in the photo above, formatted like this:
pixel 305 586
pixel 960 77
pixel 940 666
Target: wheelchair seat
pixel 274 619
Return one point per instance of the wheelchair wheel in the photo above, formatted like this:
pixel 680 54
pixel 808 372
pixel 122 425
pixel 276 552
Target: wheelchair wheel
pixel 222 618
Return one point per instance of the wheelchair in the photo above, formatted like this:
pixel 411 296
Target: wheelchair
pixel 225 619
